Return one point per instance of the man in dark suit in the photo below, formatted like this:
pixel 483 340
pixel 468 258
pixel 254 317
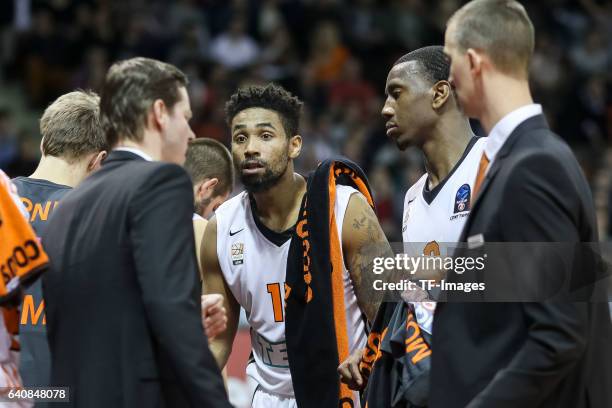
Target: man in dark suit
pixel 122 293
pixel 529 189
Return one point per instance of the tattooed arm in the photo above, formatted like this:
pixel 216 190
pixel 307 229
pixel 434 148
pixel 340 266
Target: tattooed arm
pixel 363 240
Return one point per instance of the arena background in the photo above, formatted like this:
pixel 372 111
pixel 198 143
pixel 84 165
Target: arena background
pixel 334 54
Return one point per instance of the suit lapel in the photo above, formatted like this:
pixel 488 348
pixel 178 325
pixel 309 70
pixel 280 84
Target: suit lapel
pixel 535 122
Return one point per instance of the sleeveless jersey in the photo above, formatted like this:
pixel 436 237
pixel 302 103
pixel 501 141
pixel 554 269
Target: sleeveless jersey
pixel 253 261
pixel 434 218
pixel 39 198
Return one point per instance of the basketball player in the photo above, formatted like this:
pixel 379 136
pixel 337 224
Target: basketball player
pixel 17 236
pixel 421 110
pixel 209 164
pixel 72 146
pixel 246 244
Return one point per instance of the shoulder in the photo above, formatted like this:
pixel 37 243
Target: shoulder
pixel 152 175
pixel 16 181
pixel 161 169
pixel 542 151
pixel 209 237
pixel 415 189
pixel 344 194
pixel 130 170
pixel 544 142
pixel 546 170
pixel 239 201
pixel 199 226
pixel 357 208
pixel 233 209
pixel 345 189
pixel 147 185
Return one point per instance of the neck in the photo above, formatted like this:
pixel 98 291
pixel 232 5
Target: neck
pixel 150 144
pixel 59 171
pixel 446 145
pixel 279 206
pixel 506 95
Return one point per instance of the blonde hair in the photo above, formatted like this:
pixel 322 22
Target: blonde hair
pixel 70 126
pixel 500 28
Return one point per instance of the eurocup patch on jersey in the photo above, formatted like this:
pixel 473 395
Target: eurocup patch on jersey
pixel 462 199
pixel 237 253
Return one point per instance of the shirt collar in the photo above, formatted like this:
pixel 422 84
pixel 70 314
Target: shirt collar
pixel 135 151
pixel 504 128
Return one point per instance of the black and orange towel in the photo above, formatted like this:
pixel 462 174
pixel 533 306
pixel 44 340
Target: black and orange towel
pixel 315 326
pixel 396 360
pixel 22 258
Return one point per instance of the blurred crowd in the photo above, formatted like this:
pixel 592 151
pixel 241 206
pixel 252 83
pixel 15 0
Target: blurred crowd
pixel 333 54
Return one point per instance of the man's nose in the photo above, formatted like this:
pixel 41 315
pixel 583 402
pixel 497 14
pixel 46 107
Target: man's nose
pixel 252 147
pixel 387 111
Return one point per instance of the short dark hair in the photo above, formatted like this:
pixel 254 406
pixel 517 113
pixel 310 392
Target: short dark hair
pixel 433 63
pixel 207 159
pixel 130 89
pixel 70 127
pixel 272 97
pixel 500 28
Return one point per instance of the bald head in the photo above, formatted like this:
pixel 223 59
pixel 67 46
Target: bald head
pixel 499 28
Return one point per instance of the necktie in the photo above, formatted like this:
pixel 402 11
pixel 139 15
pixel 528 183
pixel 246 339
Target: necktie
pixel 482 170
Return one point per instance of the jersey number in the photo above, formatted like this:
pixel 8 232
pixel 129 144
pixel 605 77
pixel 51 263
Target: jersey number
pixel 432 249
pixel 277 301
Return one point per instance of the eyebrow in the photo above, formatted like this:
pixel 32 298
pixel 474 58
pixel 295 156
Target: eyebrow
pixel 263 124
pixel 392 85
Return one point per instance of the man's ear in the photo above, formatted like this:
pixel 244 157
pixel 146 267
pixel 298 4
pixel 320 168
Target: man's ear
pixel 158 114
pixel 207 187
pixel 475 61
pixel 96 161
pixel 441 91
pixel 295 146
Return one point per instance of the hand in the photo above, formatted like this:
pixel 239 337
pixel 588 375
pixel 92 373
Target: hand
pixel 349 371
pixel 214 315
pixel 415 294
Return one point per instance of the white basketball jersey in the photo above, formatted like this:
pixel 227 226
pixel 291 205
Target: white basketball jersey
pixel 253 260
pixel 433 218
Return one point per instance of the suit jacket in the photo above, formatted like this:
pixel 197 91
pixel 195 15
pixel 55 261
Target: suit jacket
pixel 123 294
pixel 537 354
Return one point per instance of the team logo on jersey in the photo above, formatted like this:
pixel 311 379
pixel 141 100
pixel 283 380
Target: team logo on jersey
pixel 237 253
pixel 462 199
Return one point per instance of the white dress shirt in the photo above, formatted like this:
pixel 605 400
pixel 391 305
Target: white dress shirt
pixel 137 152
pixel 504 128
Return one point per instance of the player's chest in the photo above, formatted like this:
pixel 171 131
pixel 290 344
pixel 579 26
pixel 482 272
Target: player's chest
pixel 442 219
pixel 256 270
